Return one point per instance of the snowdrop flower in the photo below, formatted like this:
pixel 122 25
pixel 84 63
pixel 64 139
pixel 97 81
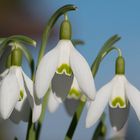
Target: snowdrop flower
pixel 59 67
pixel 16 93
pixel 71 101
pixel 118 93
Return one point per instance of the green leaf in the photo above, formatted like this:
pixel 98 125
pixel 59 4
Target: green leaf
pixel 107 47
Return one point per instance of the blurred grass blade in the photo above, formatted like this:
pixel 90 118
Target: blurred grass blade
pixel 1 40
pixel 77 42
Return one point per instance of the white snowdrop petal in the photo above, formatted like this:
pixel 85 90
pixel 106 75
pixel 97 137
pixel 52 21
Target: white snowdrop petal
pixel 2 75
pixel 133 95
pixel 9 93
pixel 53 102
pixel 36 108
pixel 97 106
pixel 29 87
pixel 45 72
pixel 82 73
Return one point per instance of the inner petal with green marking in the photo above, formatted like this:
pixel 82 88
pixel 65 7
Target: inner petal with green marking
pixel 74 93
pixel 118 101
pixel 64 68
pixel 21 95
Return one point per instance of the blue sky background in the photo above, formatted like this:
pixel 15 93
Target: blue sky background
pixel 94 22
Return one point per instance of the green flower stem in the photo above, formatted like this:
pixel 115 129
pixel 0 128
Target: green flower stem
pixel 45 36
pixel 100 131
pixel 94 68
pixel 75 121
pixel 41 119
pixel 107 47
pixel 31 134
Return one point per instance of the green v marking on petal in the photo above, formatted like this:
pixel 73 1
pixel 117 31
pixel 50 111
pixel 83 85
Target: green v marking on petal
pixel 74 93
pixel 21 95
pixel 64 68
pixel 118 100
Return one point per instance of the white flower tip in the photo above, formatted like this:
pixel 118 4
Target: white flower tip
pixel 91 97
pixel 52 108
pixel 88 124
pixel 38 96
pixel 5 115
pixel 36 113
pixel 89 121
pixel 115 128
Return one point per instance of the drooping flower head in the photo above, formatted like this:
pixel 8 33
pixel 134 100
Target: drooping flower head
pixel 16 91
pixel 60 67
pixel 118 93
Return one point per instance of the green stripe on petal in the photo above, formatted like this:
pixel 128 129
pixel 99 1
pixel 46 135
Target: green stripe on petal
pixel 118 100
pixel 64 68
pixel 21 95
pixel 74 93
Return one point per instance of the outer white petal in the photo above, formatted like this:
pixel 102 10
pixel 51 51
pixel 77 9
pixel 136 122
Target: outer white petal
pixel 82 73
pixel 53 102
pixel 37 108
pixel 45 72
pixel 97 107
pixel 9 93
pixel 133 96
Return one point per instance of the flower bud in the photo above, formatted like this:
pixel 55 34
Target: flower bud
pixel 65 30
pixel 16 57
pixel 120 65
